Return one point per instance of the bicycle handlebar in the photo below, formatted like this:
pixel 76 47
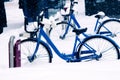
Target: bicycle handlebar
pixel 39 19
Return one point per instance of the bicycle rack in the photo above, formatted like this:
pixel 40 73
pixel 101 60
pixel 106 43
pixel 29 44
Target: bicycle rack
pixel 14 53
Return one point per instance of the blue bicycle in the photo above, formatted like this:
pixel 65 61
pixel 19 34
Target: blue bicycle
pixel 108 27
pixel 95 47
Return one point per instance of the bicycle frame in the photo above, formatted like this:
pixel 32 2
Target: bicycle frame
pixel 73 18
pixel 96 27
pixel 66 57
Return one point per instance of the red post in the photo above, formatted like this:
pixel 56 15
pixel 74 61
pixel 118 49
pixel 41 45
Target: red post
pixel 17 54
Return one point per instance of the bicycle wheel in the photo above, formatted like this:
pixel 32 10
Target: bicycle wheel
pixel 111 28
pixel 61 30
pixel 101 47
pixel 27 49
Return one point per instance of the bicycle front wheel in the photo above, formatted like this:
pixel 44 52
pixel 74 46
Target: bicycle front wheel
pixel 111 28
pixel 27 49
pixel 61 30
pixel 100 47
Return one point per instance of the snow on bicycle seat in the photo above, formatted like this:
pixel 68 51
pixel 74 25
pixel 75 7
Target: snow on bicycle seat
pixel 79 31
pixel 100 15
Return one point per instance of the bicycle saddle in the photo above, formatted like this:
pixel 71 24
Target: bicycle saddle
pixel 79 31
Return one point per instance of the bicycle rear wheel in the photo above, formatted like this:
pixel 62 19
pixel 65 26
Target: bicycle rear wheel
pixel 111 28
pixel 100 46
pixel 27 49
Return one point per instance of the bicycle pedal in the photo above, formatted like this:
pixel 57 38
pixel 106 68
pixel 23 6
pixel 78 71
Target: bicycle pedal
pixel 62 37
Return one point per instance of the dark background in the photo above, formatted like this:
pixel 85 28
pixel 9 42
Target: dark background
pixel 110 7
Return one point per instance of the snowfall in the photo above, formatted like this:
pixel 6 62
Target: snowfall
pixel 58 69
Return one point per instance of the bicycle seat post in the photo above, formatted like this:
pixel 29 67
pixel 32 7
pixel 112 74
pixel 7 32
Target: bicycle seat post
pixel 96 24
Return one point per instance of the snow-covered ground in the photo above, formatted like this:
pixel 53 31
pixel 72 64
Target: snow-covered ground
pixel 59 69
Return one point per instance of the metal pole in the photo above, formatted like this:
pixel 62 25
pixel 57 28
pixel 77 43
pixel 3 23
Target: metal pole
pixel 11 51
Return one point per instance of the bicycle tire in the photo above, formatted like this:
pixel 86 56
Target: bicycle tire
pixel 103 46
pixel 111 28
pixel 58 32
pixel 27 48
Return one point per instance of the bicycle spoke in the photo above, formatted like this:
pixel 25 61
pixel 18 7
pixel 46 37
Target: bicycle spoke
pixel 102 47
pixel 27 49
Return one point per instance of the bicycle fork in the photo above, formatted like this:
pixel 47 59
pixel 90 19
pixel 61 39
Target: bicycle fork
pixel 32 57
pixel 66 31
